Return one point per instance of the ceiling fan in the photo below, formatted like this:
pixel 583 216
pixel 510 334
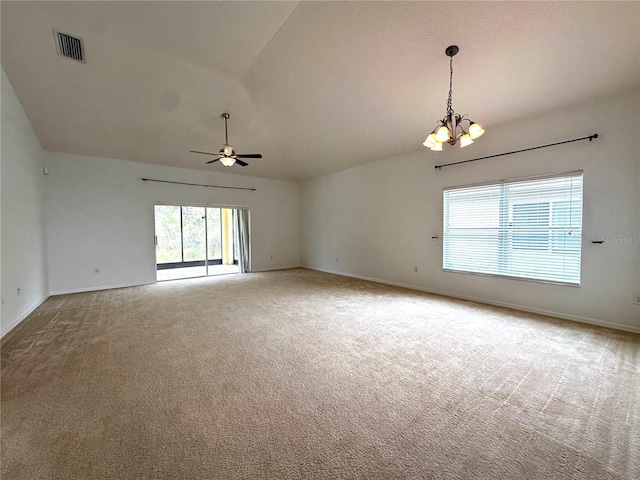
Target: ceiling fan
pixel 227 155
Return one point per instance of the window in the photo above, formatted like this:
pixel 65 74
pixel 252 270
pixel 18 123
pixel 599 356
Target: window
pixel 528 218
pixel 529 229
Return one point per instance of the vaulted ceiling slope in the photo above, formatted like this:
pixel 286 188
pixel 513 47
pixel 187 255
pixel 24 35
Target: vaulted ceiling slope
pixel 316 87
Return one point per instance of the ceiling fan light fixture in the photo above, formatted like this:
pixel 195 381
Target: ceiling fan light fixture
pixel 453 126
pixel 227 155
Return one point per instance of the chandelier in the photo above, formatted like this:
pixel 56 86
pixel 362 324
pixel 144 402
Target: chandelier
pixel 453 127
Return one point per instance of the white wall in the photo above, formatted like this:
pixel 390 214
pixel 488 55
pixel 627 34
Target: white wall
pixel 378 219
pixel 100 214
pixel 23 240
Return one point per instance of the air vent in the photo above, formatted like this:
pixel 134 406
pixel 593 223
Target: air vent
pixel 69 46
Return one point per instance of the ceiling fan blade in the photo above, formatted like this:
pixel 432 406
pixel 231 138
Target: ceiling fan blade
pixel 248 155
pixel 204 153
pixel 214 160
pixel 240 162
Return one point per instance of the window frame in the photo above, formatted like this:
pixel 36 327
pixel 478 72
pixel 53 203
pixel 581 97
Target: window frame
pixel 550 245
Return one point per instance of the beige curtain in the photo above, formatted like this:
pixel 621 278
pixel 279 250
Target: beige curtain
pixel 243 239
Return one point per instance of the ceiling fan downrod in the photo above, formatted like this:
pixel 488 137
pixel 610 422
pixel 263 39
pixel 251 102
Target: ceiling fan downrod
pixel 226 134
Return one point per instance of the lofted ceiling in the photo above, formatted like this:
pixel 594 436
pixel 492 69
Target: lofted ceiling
pixel 316 87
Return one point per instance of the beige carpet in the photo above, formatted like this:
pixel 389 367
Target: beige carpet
pixel 302 375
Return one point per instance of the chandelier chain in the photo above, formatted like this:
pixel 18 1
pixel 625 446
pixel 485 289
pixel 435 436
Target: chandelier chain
pixel 449 107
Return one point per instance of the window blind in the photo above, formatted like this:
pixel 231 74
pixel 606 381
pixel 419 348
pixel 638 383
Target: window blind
pixel 529 229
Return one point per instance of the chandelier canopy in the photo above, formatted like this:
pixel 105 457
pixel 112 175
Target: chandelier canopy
pixel 453 127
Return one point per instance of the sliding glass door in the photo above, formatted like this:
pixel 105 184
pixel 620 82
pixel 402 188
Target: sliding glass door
pixel 193 241
pixel 194 247
pixel 214 239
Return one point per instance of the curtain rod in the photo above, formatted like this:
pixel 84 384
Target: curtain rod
pixel 196 184
pixel 590 137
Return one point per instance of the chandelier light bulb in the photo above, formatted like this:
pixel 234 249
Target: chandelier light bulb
pixel 437 147
pixel 442 135
pixel 430 141
pixel 227 161
pixel 465 140
pixel 475 130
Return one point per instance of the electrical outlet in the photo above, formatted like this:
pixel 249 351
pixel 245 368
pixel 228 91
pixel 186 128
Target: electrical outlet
pixel 636 299
pixel 415 269
pixel 19 291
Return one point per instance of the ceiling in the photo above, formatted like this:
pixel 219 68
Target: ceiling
pixel 316 87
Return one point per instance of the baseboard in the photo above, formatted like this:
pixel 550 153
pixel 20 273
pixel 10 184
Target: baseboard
pixel 271 269
pixel 19 320
pixel 540 311
pixel 106 287
pixel 109 287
